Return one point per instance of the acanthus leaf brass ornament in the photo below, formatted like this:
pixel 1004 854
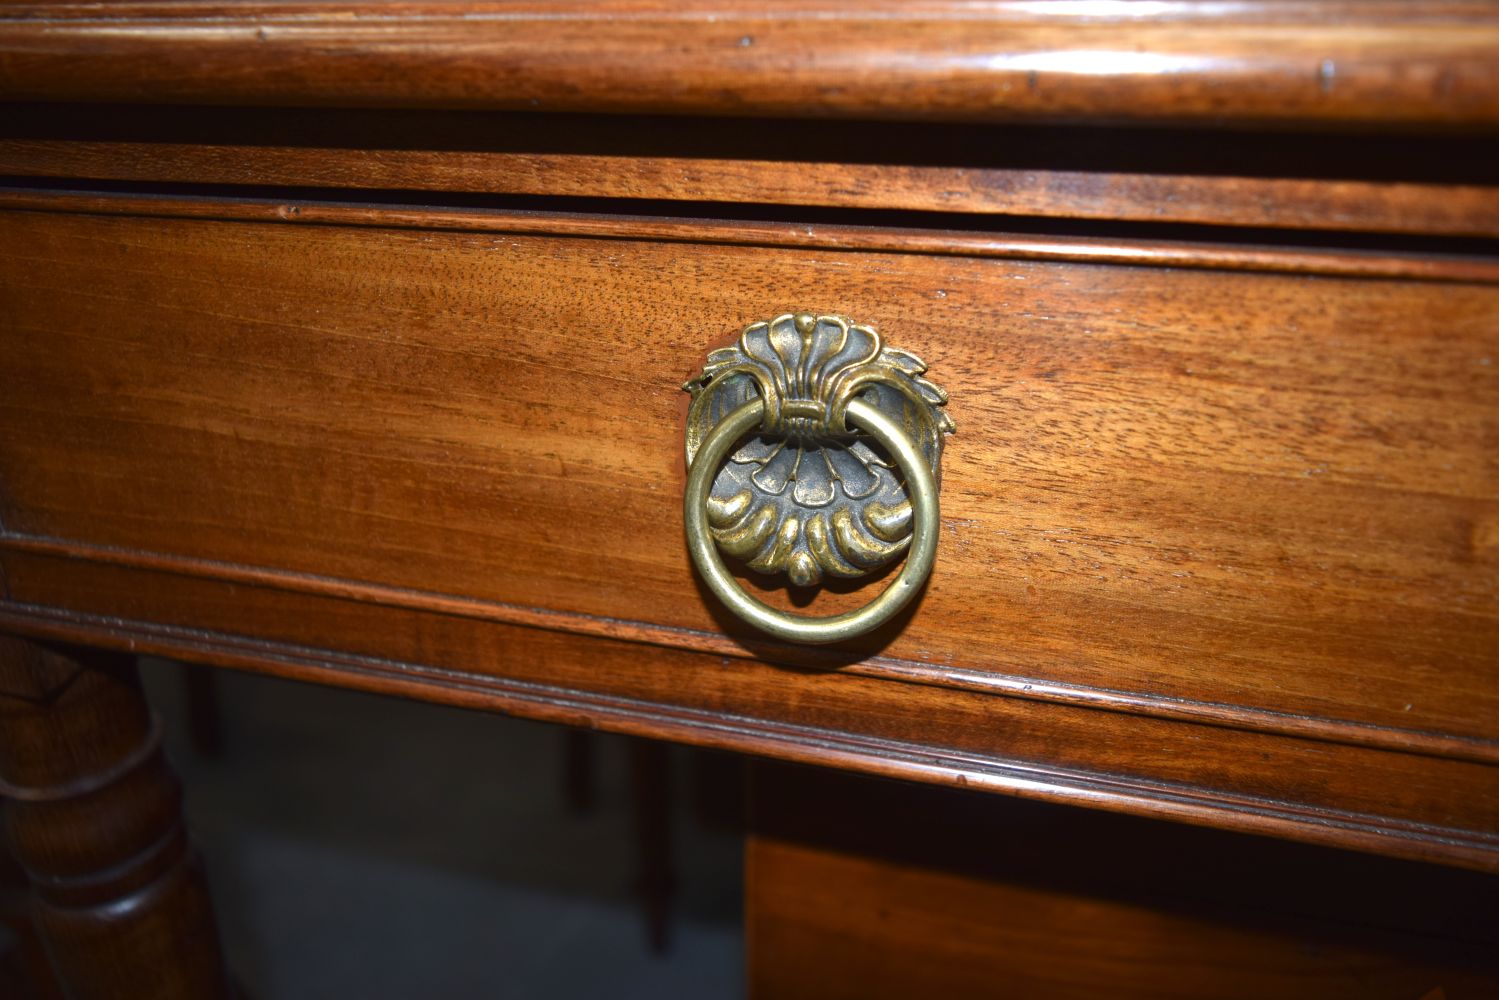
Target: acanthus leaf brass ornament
pixel 840 476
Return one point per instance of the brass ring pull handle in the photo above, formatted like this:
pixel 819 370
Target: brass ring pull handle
pixel 799 628
pixel 841 479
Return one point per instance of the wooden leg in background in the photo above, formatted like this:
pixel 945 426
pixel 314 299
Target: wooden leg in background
pixel 578 770
pixel 650 779
pixel 205 722
pixel 93 814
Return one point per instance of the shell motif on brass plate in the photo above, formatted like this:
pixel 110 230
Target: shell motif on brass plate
pixel 806 495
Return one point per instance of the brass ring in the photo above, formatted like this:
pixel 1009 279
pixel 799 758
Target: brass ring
pixel 922 489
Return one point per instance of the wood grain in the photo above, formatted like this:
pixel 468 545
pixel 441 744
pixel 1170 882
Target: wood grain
pixel 1231 256
pixel 1294 203
pixel 1378 64
pixel 987 681
pixel 313 376
pixel 1296 180
pixel 1404 805
pixel 1227 468
pixel 1260 497
pixel 869 890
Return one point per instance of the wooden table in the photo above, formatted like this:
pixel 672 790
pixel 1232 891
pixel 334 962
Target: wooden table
pixel 346 344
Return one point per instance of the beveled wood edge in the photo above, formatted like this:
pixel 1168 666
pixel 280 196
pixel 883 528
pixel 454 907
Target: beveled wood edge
pixel 1422 209
pixel 1227 13
pixel 1338 61
pixel 1328 827
pixel 995 681
pixel 940 242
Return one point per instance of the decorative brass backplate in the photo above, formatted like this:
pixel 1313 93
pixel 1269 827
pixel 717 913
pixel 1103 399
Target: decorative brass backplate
pixel 807 495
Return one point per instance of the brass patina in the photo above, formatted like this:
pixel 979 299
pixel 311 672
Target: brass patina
pixel 813 449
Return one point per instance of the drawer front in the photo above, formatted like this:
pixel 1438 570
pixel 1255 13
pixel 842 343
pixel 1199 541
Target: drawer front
pixel 1244 503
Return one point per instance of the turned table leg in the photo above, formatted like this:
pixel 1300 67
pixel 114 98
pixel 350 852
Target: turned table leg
pixel 93 814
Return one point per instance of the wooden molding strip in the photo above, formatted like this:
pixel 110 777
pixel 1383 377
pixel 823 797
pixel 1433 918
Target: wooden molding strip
pixel 1379 64
pixel 1087 250
pixel 1338 828
pixel 1469 210
pixel 995 682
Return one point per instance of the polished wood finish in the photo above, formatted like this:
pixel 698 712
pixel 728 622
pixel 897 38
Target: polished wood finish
pixel 1233 570
pixel 868 890
pixel 1469 210
pixel 1301 788
pixel 93 815
pixel 1091 495
pixel 345 343
pixel 1445 186
pixel 1362 262
pixel 1338 61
